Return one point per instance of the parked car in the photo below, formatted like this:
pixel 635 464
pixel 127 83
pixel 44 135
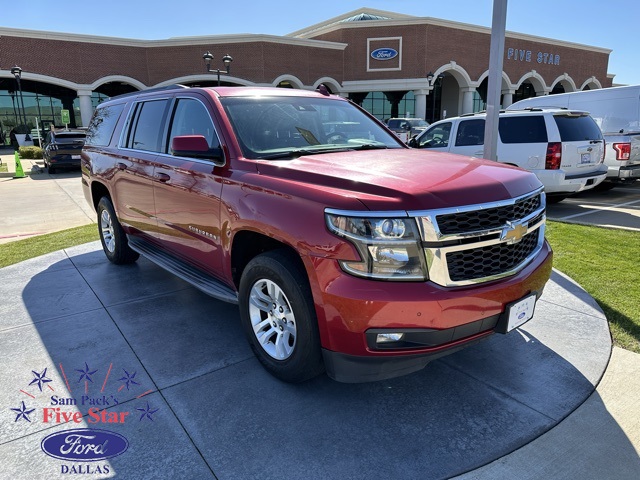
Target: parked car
pixel 617 113
pixel 565 149
pixel 62 149
pixel 345 250
pixel 405 128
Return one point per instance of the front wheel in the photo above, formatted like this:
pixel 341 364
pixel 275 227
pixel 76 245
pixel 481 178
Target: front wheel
pixel 112 236
pixel 278 316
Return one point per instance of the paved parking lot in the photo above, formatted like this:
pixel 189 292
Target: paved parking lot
pixel 199 405
pixel 618 208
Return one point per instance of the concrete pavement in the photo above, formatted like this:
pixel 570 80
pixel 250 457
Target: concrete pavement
pixel 40 203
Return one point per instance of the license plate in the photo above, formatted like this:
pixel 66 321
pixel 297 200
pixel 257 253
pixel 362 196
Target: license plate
pixel 75 157
pixel 585 158
pixel 521 312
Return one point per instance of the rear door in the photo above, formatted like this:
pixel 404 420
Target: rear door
pixel 582 142
pixel 135 163
pixel 469 138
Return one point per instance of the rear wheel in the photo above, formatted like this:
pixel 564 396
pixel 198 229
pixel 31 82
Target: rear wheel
pixel 278 316
pixel 556 198
pixel 112 236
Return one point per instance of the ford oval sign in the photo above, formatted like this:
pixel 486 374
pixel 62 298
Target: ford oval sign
pixel 84 445
pixel 384 54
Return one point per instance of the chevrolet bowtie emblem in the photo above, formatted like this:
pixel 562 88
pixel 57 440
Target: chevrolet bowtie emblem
pixel 513 232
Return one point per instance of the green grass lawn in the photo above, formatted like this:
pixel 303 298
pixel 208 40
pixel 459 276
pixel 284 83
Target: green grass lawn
pixel 603 260
pixel 14 252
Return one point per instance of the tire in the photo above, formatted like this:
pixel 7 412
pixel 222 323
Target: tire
pixel 605 186
pixel 278 316
pixel 52 170
pixel 552 199
pixel 112 236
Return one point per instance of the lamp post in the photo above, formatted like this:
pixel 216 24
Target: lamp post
pixel 226 60
pixel 17 72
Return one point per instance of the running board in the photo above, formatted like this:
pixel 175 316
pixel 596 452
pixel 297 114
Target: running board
pixel 196 277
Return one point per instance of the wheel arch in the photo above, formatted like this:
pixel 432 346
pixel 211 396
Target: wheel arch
pixel 248 244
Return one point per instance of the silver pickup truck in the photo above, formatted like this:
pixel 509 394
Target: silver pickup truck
pixel 617 113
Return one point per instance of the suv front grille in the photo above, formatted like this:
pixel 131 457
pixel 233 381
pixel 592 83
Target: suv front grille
pixel 490 261
pixel 474 220
pixel 484 242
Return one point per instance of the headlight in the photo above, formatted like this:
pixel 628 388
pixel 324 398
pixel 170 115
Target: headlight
pixel 389 247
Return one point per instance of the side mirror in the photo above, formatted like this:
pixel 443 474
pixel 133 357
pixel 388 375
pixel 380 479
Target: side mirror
pixel 195 146
pixel 413 142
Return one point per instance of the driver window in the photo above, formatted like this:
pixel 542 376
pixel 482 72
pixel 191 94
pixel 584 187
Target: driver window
pixel 191 118
pixel 436 137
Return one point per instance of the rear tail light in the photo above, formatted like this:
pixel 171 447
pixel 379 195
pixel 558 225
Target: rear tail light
pixel 554 156
pixel 623 151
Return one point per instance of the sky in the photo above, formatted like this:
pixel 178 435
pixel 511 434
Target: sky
pixel 611 24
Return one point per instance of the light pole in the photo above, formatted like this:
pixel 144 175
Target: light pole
pixel 226 60
pixel 17 72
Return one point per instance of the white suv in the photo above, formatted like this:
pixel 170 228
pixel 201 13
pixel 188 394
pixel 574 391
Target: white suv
pixel 565 149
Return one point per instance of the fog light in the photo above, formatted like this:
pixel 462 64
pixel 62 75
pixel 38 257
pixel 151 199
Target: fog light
pixel 389 337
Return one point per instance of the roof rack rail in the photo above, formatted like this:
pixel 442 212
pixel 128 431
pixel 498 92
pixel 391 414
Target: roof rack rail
pixel 150 90
pixel 539 108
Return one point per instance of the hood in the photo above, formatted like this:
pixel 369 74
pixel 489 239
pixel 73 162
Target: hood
pixel 404 179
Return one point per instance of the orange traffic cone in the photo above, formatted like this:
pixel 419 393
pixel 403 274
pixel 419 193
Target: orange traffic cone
pixel 19 170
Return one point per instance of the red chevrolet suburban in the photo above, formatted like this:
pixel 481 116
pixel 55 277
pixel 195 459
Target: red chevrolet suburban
pixel 345 250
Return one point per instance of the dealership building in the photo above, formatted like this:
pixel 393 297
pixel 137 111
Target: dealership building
pixel 391 64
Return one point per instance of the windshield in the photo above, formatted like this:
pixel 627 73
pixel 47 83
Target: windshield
pixel 284 127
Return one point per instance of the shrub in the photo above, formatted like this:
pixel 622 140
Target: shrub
pixel 30 153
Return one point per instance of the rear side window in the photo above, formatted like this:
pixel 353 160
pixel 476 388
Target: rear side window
pixel 575 129
pixel 146 133
pixel 523 129
pixel 103 124
pixel 470 132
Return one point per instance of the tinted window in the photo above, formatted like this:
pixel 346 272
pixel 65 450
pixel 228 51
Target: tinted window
pixel 470 132
pixel 437 136
pixel 71 137
pixel 147 126
pixel 575 129
pixel 103 124
pixel 522 129
pixel 191 118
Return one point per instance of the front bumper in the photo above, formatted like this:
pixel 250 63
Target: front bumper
pixel 350 308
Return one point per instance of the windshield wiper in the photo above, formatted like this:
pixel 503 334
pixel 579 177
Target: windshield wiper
pixel 369 146
pixel 299 152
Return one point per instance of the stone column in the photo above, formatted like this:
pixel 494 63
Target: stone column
pixel 507 98
pixel 467 100
pixel 421 102
pixel 86 110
